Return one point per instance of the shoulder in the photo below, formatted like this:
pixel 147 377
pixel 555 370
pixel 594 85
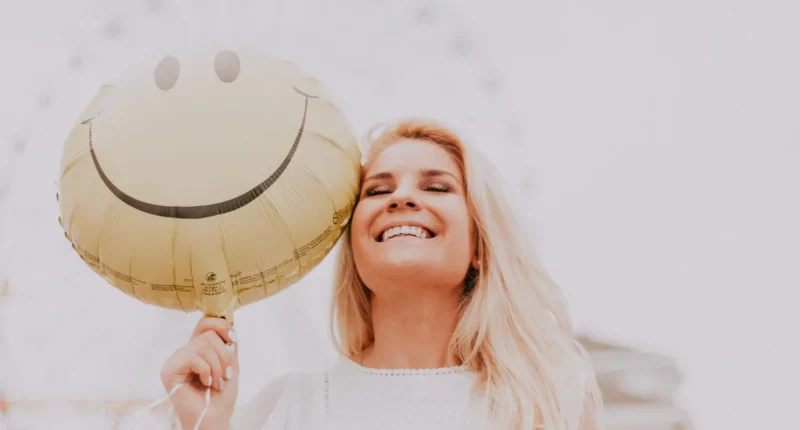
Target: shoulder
pixel 281 402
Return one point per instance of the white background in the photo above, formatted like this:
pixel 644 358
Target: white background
pixel 658 144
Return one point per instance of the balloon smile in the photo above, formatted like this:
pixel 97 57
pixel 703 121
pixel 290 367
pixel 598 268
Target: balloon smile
pixel 202 211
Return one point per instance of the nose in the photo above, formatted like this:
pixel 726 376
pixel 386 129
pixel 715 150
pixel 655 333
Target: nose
pixel 402 201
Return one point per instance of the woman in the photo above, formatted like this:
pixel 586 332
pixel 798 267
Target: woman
pixel 443 319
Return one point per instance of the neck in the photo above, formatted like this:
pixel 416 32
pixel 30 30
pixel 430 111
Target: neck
pixel 413 332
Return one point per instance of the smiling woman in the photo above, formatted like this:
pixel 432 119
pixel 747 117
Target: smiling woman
pixel 472 297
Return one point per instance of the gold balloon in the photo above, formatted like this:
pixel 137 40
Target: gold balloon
pixel 208 179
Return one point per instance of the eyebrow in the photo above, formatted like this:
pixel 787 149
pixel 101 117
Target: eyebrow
pixel 428 173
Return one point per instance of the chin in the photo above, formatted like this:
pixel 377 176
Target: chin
pixel 410 272
pixel 410 267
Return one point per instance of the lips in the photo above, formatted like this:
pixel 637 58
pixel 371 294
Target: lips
pixel 407 230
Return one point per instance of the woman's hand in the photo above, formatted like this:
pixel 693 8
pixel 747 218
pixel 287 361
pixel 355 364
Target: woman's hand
pixel 211 358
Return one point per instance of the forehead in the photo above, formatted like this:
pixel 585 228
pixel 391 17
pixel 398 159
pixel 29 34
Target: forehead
pixel 413 155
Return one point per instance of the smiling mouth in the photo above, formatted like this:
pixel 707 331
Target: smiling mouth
pixel 405 231
pixel 202 211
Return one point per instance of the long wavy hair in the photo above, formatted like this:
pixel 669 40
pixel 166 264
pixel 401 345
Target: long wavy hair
pixel 513 331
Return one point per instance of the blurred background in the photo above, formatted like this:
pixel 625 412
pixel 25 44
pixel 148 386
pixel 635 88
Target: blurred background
pixel 654 146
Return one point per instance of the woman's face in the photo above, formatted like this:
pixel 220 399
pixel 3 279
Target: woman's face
pixel 411 227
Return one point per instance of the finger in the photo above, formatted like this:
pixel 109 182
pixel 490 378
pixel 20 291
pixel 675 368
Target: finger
pixel 177 368
pixel 225 353
pixel 219 325
pixel 201 368
pixel 209 355
pixel 235 357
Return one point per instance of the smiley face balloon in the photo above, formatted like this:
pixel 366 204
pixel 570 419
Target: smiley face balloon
pixel 208 179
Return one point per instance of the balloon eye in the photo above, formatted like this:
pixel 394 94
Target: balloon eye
pixel 227 66
pixel 167 72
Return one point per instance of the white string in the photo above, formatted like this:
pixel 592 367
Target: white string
pixel 203 414
pixel 138 414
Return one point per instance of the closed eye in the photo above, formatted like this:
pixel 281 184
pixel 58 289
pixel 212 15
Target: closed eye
pixel 438 187
pixel 375 191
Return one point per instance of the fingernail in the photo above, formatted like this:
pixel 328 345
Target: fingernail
pixel 229 372
pixel 231 347
pixel 221 384
pixel 232 335
pixel 210 380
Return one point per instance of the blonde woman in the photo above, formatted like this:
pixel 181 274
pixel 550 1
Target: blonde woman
pixel 442 317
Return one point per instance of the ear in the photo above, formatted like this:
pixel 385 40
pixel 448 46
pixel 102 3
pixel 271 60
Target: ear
pixel 476 257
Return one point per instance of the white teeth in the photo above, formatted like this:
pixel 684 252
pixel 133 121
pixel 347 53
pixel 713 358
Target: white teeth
pixel 404 230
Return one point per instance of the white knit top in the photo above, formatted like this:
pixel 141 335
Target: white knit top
pixel 353 397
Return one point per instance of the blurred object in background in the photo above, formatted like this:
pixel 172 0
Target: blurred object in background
pixel 638 388
pixel 4 363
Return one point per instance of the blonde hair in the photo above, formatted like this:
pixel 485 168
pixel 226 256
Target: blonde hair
pixel 513 329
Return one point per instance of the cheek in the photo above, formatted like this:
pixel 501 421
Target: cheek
pixel 459 224
pixel 458 217
pixel 361 218
pixel 359 226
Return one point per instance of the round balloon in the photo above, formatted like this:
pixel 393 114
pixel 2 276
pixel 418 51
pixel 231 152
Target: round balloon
pixel 208 179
